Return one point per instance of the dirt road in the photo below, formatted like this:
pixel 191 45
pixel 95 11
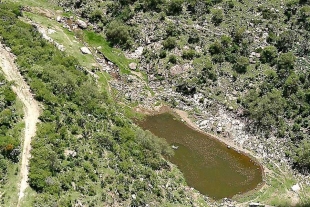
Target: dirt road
pixel 31 111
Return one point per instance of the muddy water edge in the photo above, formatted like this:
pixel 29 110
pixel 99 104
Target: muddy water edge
pixel 208 165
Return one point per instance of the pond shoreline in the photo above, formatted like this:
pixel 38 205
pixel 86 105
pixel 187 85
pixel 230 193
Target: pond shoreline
pixel 183 115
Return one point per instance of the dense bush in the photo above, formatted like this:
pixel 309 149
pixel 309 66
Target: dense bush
pixel 188 54
pixel 170 43
pixel 118 34
pixel 269 55
pixel 174 7
pixel 217 16
pixel 241 64
pixel 173 59
pixel 9 118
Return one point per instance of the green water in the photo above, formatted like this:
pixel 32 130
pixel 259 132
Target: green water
pixel 207 164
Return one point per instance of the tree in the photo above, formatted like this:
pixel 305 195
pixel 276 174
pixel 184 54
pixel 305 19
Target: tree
pixel 172 30
pixel 193 37
pixel 291 85
pixel 9 95
pixel 304 17
pixel 302 155
pixel 216 48
pixel 217 17
pixel 238 34
pixel 118 34
pixel 153 4
pixel 266 110
pixel 241 64
pixel 269 55
pixel 175 7
pixel 172 59
pixel 286 40
pixel 170 43
pixel 95 16
pixel 226 41
pixel 188 54
pixel 286 62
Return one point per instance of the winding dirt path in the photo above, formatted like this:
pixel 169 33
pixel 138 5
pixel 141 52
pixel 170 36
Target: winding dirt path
pixel 31 110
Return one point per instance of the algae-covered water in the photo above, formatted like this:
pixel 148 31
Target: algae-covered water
pixel 207 164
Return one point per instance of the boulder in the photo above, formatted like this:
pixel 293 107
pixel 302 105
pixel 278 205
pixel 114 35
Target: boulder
pixel 133 66
pixel 8 49
pixel 219 129
pixel 295 188
pixel 204 122
pixel 50 31
pixel 81 24
pixel 139 51
pixel 58 18
pixel 60 47
pixel 70 153
pixel 85 50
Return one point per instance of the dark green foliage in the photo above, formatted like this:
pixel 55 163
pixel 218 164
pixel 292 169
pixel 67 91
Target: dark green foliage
pixel 304 17
pixel 170 43
pixel 226 49
pixel 286 40
pixel 217 16
pixel 268 13
pixel 286 62
pixel 200 7
pixel 174 7
pixel 291 85
pixel 96 16
pixel 216 48
pixel 209 73
pixel 172 30
pixel 188 54
pixel 265 109
pixel 193 38
pixel 272 38
pixel 173 59
pixel 162 53
pixel 241 64
pixel 238 34
pixel 269 55
pixel 153 4
pixel 118 34
pixel 9 118
pixel 301 156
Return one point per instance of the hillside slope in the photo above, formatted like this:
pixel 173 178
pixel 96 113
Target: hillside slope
pixel 248 57
pixel 241 68
pixel 85 151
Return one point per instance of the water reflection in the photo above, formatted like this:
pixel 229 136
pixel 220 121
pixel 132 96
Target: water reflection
pixel 207 164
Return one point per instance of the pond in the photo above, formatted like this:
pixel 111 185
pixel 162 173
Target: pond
pixel 208 165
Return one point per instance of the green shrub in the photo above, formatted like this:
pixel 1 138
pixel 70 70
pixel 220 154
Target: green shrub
pixel 118 34
pixel 241 64
pixel 170 43
pixel 174 7
pixel 217 17
pixel 162 53
pixel 188 54
pixel 173 59
pixel 269 55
